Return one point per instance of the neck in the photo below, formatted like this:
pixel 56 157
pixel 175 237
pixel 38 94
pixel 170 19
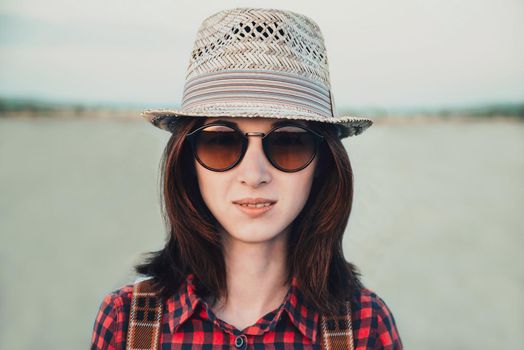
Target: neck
pixel 256 275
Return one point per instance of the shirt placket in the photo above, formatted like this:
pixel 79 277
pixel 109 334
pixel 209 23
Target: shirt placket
pixel 239 339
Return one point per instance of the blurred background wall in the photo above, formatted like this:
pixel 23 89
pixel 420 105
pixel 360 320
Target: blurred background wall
pixel 436 228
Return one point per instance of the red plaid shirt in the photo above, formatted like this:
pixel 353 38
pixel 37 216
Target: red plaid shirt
pixel 188 322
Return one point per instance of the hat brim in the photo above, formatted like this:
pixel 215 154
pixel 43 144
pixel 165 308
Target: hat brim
pixel 349 125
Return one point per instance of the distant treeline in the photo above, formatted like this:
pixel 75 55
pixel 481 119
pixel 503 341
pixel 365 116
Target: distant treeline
pixel 486 110
pixel 38 106
pixel 13 106
pixel 515 110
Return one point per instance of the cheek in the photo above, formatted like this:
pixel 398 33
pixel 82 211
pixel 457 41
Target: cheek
pixel 297 188
pixel 212 188
pixel 205 183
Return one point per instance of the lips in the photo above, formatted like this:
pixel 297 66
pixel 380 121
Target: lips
pixel 257 205
pixel 255 209
pixel 255 202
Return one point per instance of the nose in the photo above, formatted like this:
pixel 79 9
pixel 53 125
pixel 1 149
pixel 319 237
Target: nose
pixel 254 168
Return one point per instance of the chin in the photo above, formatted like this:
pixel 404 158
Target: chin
pixel 254 236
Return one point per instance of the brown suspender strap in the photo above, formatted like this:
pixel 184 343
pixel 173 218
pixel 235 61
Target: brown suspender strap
pixel 337 333
pixel 146 315
pixel 144 318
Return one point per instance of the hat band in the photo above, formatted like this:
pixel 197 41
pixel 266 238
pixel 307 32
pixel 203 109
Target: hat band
pixel 256 86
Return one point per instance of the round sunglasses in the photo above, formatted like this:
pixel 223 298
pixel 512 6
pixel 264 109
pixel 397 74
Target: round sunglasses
pixel 221 145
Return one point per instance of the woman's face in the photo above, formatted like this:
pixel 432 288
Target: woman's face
pixel 255 177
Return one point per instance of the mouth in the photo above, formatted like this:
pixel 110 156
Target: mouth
pixel 255 210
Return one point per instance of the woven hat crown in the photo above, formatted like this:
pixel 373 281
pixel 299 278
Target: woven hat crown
pixel 255 62
pixel 268 39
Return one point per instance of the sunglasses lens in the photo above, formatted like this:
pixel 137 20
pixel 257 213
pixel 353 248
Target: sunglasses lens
pixel 218 147
pixel 291 147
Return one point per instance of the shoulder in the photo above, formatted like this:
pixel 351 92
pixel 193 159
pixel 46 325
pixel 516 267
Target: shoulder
pixel 373 321
pixel 111 320
pixel 121 296
pixel 368 302
pixel 118 301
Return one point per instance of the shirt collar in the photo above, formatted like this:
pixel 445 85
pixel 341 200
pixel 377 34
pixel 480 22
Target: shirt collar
pixel 184 302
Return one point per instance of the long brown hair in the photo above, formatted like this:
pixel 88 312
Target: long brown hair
pixel 314 256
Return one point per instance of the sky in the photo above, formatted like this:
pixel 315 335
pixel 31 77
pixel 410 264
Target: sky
pixel 382 53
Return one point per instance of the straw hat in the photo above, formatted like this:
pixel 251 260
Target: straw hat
pixel 252 62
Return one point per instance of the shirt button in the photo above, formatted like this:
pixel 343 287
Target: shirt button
pixel 241 342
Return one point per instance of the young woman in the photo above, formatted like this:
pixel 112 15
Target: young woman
pixel 257 189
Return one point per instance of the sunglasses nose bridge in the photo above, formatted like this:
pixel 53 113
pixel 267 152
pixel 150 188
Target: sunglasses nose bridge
pixel 262 136
pixel 254 133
